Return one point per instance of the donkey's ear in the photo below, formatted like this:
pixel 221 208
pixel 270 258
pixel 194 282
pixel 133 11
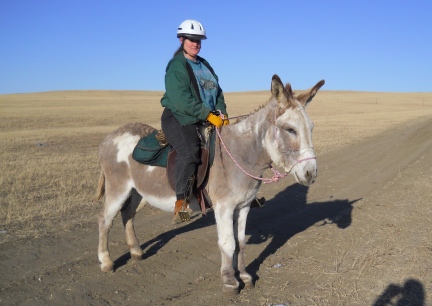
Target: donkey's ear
pixel 306 97
pixel 289 92
pixel 282 95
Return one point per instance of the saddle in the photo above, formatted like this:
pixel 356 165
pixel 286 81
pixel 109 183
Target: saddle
pixel 154 150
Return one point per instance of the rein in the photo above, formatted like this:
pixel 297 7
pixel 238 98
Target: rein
pixel 276 174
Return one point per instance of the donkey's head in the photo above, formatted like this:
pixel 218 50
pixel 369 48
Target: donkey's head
pixel 289 138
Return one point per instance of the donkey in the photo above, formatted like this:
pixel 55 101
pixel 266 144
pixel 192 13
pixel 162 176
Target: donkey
pixel 279 132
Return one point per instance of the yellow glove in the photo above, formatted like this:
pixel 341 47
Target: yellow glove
pixel 215 120
pixel 225 121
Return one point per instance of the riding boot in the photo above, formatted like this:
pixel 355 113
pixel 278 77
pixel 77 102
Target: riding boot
pixel 181 211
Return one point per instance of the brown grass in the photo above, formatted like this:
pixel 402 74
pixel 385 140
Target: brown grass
pixel 49 174
pixel 49 167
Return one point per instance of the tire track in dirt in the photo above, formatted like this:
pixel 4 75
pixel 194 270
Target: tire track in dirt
pixel 350 174
pixel 356 170
pixel 181 264
pixel 372 249
pixel 292 222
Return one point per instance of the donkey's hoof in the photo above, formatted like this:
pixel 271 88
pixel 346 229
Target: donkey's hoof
pixel 247 280
pixel 107 267
pixel 230 290
pixel 249 285
pixel 137 257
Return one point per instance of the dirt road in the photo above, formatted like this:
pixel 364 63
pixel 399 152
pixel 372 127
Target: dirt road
pixel 361 235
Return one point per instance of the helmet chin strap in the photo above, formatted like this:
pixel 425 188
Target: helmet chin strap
pixel 184 51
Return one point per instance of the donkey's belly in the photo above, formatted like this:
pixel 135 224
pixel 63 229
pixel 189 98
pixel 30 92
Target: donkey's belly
pixel 161 202
pixel 152 184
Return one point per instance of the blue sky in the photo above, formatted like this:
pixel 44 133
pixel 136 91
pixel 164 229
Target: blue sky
pixel 368 45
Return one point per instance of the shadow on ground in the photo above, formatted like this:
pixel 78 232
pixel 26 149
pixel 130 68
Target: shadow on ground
pixel 411 293
pixel 155 244
pixel 282 217
pixel 289 214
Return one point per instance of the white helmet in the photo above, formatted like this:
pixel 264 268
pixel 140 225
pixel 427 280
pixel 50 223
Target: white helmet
pixel 191 29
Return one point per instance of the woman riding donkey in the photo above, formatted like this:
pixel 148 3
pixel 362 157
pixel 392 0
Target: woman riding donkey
pixel 192 96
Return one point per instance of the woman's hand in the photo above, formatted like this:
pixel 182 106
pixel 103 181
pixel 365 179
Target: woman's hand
pixel 215 120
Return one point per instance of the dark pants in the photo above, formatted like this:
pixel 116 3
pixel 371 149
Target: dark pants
pixel 187 144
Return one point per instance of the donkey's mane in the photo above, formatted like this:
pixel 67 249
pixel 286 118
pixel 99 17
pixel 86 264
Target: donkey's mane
pixel 243 117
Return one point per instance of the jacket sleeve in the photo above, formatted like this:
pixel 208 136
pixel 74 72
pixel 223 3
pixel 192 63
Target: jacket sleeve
pixel 179 92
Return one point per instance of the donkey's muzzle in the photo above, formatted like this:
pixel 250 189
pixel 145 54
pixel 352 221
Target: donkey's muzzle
pixel 306 173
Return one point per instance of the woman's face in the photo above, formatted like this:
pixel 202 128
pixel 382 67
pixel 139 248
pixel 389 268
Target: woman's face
pixel 191 46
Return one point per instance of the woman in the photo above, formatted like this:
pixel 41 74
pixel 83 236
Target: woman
pixel 192 95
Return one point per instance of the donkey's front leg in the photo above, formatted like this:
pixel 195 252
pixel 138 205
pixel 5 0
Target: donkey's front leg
pixel 241 216
pixel 226 242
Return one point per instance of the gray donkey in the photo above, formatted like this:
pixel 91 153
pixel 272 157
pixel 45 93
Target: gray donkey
pixel 279 133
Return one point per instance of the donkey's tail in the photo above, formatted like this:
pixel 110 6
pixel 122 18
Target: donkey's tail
pixel 101 186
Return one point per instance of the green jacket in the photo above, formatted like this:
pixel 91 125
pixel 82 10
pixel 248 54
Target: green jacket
pixel 181 95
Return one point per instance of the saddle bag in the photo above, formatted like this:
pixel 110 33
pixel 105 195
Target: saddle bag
pixel 152 150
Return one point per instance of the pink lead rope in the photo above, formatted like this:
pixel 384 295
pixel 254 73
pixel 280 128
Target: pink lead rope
pixel 276 174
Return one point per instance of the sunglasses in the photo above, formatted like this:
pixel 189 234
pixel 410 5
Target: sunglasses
pixel 198 41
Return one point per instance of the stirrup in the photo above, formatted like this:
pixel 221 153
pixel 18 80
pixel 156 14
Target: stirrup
pixel 184 215
pixel 181 212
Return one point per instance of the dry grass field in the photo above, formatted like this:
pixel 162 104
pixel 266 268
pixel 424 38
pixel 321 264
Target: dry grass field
pixel 361 235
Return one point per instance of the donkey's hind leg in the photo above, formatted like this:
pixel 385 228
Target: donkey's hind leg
pixel 113 204
pixel 240 217
pixel 128 213
pixel 226 242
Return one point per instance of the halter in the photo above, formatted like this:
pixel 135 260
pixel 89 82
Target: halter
pixel 276 174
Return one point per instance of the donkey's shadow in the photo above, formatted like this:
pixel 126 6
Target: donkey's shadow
pixel 289 214
pixel 155 244
pixel 281 218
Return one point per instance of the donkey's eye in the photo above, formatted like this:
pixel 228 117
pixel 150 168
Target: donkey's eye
pixel 291 131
